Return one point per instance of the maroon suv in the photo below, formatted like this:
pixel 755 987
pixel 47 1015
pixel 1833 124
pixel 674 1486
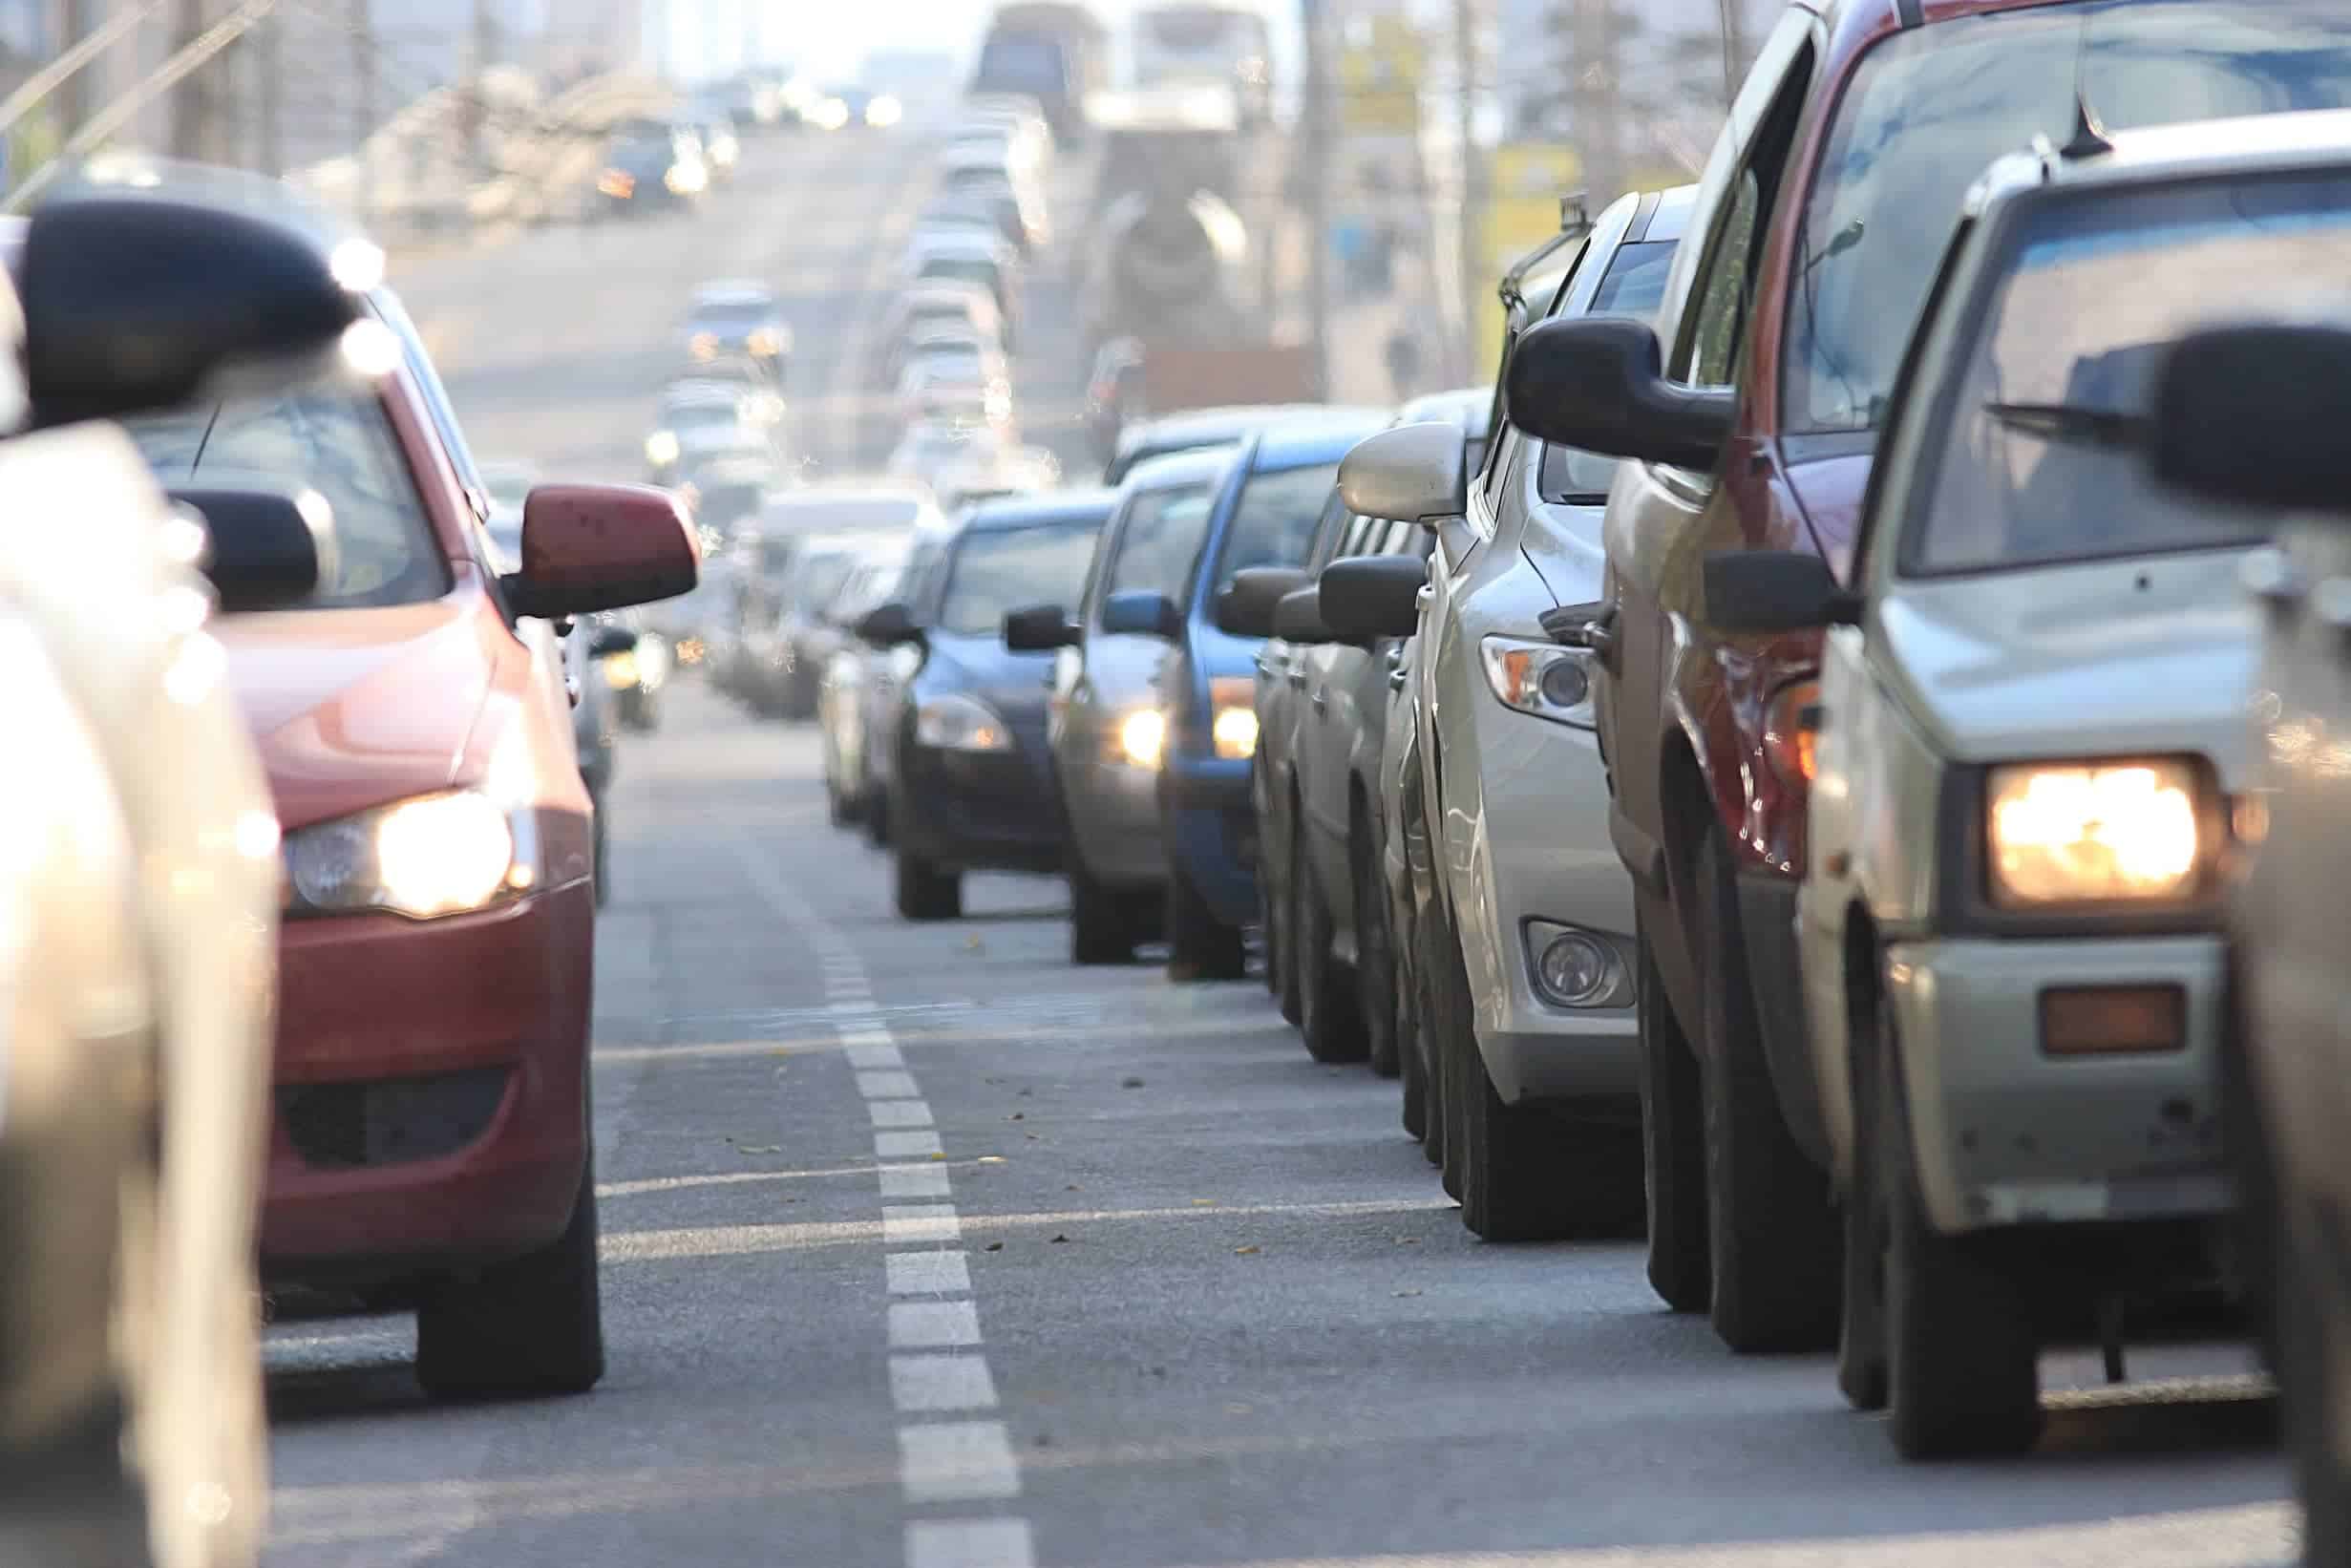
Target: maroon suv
pixel 1751 412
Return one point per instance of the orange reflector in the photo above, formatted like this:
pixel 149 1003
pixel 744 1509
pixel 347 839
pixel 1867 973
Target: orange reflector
pixel 2106 1019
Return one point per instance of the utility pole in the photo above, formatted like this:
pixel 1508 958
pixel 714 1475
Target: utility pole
pixel 1315 113
pixel 1734 48
pixel 195 107
pixel 364 107
pixel 1600 120
pixel 270 96
pixel 76 96
pixel 1475 263
pixel 478 100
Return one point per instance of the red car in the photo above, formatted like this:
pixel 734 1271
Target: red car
pixel 430 1141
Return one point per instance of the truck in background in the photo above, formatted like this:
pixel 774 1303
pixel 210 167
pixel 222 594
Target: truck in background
pixel 1054 52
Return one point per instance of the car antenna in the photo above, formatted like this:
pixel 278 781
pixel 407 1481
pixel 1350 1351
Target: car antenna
pixel 2089 133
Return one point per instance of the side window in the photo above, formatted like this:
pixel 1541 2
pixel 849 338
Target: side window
pixel 1326 533
pixel 1163 540
pixel 1723 293
pixel 1351 542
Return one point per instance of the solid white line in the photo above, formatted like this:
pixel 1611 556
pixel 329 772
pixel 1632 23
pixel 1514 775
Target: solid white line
pixel 971 1543
pixel 888 1085
pixel 928 1274
pixel 905 1145
pixel 907 1113
pixel 957 1461
pixel 933 1325
pixel 852 1006
pixel 932 1384
pixel 873 1058
pixel 914 1224
pixel 914 1181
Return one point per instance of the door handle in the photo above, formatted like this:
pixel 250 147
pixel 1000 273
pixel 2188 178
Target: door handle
pixel 1396 678
pixel 1298 678
pixel 1321 702
pixel 2271 577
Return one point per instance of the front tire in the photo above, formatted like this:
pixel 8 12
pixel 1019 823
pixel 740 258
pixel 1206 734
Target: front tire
pixel 1673 1146
pixel 531 1326
pixel 1100 931
pixel 1327 1016
pixel 1199 945
pixel 928 890
pixel 1282 935
pixel 1375 960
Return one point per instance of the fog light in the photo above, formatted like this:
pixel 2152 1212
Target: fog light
pixel 1574 968
pixel 2110 1020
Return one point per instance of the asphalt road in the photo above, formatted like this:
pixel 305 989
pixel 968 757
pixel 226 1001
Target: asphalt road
pixel 926 1250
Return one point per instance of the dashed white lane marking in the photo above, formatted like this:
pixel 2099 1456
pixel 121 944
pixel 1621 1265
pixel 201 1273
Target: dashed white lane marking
pixel 958 1461
pixel 971 1543
pixel 930 1385
pixel 915 1225
pixel 933 1325
pixel 914 1181
pixel 874 1057
pixel 905 1145
pixel 898 1112
pixel 888 1085
pixel 928 1274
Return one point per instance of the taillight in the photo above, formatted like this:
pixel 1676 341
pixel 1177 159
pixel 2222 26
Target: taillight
pixel 1791 732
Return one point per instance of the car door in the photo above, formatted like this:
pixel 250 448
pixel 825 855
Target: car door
pixel 1278 708
pixel 1323 740
pixel 1157 548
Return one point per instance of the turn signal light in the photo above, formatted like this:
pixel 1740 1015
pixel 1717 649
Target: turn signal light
pixel 1791 732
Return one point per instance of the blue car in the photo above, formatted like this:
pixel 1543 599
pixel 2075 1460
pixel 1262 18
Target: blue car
pixel 1153 716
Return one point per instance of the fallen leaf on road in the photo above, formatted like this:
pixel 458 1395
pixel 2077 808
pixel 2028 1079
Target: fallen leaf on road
pixel 987 1159
pixel 759 1148
pixel 942 1154
pixel 1018 1115
pixel 974 942
pixel 1407 1293
pixel 1074 1187
pixel 1203 1202
pixel 1130 1083
pixel 1244 1251
pixel 1408 1240
pixel 995 1246
pixel 1058 1239
pixel 1032 1137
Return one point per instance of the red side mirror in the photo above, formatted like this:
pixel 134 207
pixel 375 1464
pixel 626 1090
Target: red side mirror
pixel 588 547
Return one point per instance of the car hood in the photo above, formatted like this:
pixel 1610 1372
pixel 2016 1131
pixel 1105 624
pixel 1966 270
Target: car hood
pixel 1562 543
pixel 1126 670
pixel 354 707
pixel 2146 655
pixel 1015 685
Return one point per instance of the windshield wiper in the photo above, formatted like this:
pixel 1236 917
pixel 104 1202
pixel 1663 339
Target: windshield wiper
pixel 2073 425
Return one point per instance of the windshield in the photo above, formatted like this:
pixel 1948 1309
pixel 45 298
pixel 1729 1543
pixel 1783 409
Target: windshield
pixel 1634 285
pixel 1017 61
pixel 1930 108
pixel 814 579
pixel 1162 540
pixel 702 417
pixel 733 318
pixel 970 270
pixel 720 505
pixel 997 571
pixel 2044 461
pixel 1273 523
pixel 337 443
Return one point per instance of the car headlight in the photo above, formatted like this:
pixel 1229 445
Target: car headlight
pixel 960 724
pixel 1140 738
pixel 2093 833
pixel 682 180
pixel 766 342
pixel 621 671
pixel 661 448
pixel 884 111
pixel 442 854
pixel 1544 679
pixel 1232 724
pixel 703 345
pixel 831 115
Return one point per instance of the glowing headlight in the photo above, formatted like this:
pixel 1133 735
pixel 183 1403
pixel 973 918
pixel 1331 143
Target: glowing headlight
pixel 960 724
pixel 682 180
pixel 1543 679
pixel 1142 736
pixel 619 183
pixel 766 342
pixel 885 111
pixel 1232 700
pixel 831 115
pixel 661 448
pixel 621 671
pixel 434 854
pixel 703 345
pixel 2103 833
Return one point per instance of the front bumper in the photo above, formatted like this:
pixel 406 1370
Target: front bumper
pixel 979 810
pixel 2007 1134
pixel 1113 813
pixel 431 1090
pixel 1210 824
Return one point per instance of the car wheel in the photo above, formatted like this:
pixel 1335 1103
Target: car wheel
pixel 1282 942
pixel 1199 945
pixel 1861 1320
pixel 1326 1016
pixel 2255 1235
pixel 1451 1032
pixel 2306 1381
pixel 1771 1235
pixel 1962 1363
pixel 838 808
pixel 1269 914
pixel 875 814
pixel 1673 1146
pixel 532 1325
pixel 1375 962
pixel 604 859
pixel 928 890
pixel 1411 1065
pixel 798 701
pixel 1101 927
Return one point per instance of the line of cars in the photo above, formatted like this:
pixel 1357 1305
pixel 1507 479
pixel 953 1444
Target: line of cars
pixel 1813 815
pixel 302 882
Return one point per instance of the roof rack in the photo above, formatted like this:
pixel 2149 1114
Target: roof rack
pixel 1575 222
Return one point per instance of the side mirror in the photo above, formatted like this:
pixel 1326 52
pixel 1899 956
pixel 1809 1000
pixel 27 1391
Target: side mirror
pixel 134 303
pixel 268 548
pixel 1598 383
pixel 1368 597
pixel 1142 613
pixel 1039 628
pixel 2252 416
pixel 888 625
pixel 1410 474
pixel 600 546
pixel 1298 618
pixel 1245 606
pixel 1770 591
pixel 612 640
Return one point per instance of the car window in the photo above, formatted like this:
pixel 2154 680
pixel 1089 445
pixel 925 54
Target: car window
pixel 1632 286
pixel 1161 543
pixel 1721 289
pixel 2035 461
pixel 1926 111
pixel 817 576
pixel 733 316
pixel 964 270
pixel 338 443
pixel 999 570
pixel 701 416
pixel 1326 532
pixel 1274 520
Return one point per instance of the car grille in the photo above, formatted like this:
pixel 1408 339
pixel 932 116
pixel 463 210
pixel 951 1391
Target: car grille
pixel 390 1121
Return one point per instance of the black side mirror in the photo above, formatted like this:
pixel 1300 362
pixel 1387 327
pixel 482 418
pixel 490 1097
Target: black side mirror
pixel 1039 628
pixel 1142 613
pixel 1245 606
pixel 612 640
pixel 269 549
pixel 1598 383
pixel 1368 597
pixel 888 625
pixel 139 303
pixel 1298 618
pixel 2253 416
pixel 1768 591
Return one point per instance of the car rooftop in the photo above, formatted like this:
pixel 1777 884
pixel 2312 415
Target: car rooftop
pixel 1469 407
pixel 1225 422
pixel 1041 506
pixel 1320 437
pixel 1190 466
pixel 2252 144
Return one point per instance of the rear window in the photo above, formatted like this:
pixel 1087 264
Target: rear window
pixel 817 579
pixel 983 273
pixel 997 571
pixel 1035 62
pixel 1273 523
pixel 876 512
pixel 1632 286
pixel 733 316
pixel 1161 543
pixel 337 443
